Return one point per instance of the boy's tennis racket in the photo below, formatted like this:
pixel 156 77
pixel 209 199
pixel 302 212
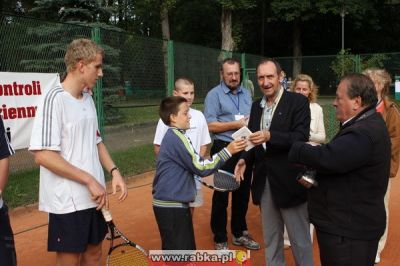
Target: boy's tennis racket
pixel 125 253
pixel 220 181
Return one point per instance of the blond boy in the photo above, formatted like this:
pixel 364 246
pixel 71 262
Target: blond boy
pixel 197 133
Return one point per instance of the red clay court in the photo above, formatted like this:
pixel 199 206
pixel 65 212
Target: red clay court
pixel 135 218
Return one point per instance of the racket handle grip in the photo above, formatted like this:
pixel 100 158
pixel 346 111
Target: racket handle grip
pixel 106 214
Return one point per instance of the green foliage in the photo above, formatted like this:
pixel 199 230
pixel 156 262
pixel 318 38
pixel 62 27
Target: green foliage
pixel 330 122
pixel 47 54
pixel 70 11
pixel 237 4
pixel 187 23
pixel 356 9
pixel 289 10
pixel 140 115
pixel 141 17
pixel 343 63
pixel 136 160
pixel 375 60
pixel 22 188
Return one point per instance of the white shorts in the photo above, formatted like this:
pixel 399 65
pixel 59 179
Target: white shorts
pixel 199 200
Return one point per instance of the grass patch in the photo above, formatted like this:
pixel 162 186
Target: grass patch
pixel 134 161
pixel 23 187
pixel 143 114
pixel 139 115
pixel 330 121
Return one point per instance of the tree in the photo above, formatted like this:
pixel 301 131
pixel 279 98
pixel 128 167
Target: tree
pixel 295 12
pixel 228 6
pixel 166 35
pixel 346 62
pixel 187 23
pixel 356 12
pixel 80 20
pixel 299 11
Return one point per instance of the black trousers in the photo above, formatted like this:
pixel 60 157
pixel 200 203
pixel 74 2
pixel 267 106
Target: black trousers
pixel 342 251
pixel 7 249
pixel 176 228
pixel 220 200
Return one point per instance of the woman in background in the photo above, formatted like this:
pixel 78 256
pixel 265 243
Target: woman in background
pixel 391 115
pixel 305 85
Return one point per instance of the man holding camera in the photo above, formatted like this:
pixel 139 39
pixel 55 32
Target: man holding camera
pixel 347 207
pixel 278 120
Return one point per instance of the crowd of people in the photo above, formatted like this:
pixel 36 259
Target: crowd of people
pixel 298 180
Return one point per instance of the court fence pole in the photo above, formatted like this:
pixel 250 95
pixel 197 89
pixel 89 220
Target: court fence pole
pixel 171 72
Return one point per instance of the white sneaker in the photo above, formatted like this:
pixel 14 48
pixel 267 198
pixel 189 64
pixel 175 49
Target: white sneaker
pixel 222 248
pixel 377 258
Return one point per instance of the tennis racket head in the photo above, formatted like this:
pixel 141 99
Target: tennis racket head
pixel 221 181
pixel 125 253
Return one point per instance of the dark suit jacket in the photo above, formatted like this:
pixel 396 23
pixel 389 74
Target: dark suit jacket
pixel 352 172
pixel 290 123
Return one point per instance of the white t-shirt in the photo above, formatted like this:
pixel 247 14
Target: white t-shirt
pixel 317 128
pixel 198 132
pixel 69 126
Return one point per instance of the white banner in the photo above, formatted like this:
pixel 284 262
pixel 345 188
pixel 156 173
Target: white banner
pixel 20 94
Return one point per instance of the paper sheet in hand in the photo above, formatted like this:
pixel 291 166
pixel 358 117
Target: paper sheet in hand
pixel 244 133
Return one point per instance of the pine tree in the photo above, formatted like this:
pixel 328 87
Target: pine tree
pixel 60 22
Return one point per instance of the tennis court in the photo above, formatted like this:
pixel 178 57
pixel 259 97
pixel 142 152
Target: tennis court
pixel 135 218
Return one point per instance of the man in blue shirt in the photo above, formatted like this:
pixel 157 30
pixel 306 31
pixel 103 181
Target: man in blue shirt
pixel 227 108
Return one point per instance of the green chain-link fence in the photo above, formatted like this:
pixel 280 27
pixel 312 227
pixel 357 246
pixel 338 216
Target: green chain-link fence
pixel 136 79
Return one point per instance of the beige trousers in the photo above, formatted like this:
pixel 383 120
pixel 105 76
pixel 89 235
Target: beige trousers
pixel 382 241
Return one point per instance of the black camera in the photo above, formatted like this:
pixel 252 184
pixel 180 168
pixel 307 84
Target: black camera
pixel 307 178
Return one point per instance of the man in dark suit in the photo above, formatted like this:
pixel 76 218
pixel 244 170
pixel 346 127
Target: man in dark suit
pixel 278 120
pixel 347 207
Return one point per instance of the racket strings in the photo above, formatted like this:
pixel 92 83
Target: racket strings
pixel 225 181
pixel 127 255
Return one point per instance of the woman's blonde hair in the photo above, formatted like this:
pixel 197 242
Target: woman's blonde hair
pixel 381 76
pixel 81 49
pixel 312 97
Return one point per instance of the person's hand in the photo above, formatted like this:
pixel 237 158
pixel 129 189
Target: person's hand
pixel 239 170
pixel 242 122
pixel 98 192
pixel 118 182
pixel 313 143
pixel 236 146
pixel 260 137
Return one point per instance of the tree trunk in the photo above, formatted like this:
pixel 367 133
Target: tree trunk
pixel 165 24
pixel 226 32
pixel 121 21
pixel 297 54
pixel 262 28
pixel 166 37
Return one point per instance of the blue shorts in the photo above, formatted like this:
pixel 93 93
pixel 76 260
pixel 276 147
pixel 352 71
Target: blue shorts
pixel 72 232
